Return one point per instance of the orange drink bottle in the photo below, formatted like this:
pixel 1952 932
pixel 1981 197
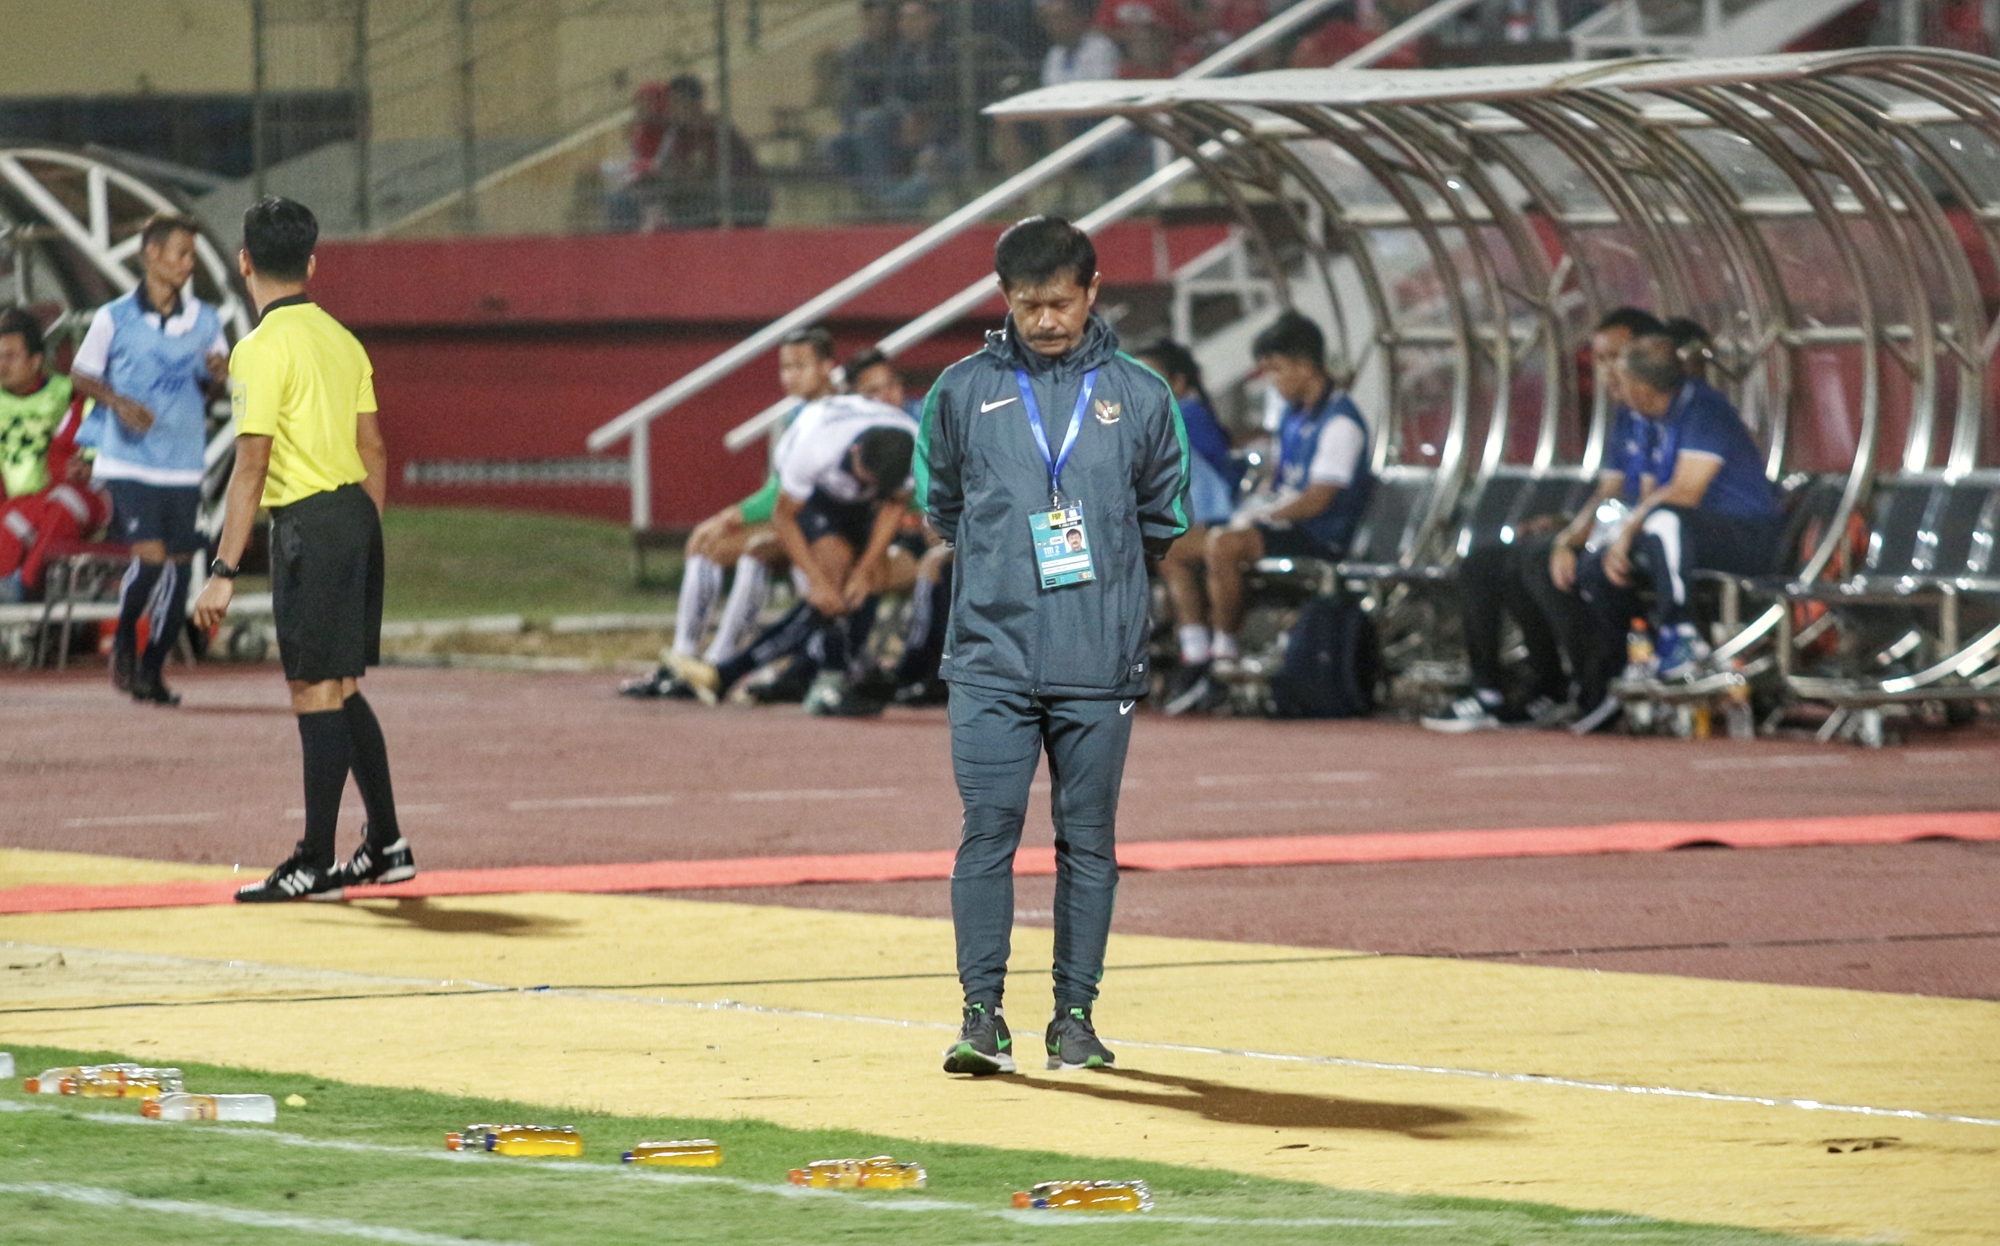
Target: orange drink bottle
pixel 517 1140
pixel 879 1173
pixel 1088 1196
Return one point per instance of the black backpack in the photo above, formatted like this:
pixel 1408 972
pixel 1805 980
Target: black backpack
pixel 1332 660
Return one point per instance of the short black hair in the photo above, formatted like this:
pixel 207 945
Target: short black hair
pixel 687 86
pixel 885 454
pixel 20 320
pixel 870 358
pixel 161 226
pixel 1035 251
pixel 1295 337
pixel 279 234
pixel 1654 360
pixel 814 336
pixel 1636 321
pixel 1174 360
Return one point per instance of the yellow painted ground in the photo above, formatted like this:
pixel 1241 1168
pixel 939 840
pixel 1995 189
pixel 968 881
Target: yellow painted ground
pixel 24 867
pixel 641 1027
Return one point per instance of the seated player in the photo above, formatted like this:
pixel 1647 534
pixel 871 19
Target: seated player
pixel 32 405
pixel 740 535
pixel 1711 508
pixel 843 480
pixel 32 526
pixel 1315 500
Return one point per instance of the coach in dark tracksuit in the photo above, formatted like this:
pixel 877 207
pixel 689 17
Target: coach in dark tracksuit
pixel 1053 464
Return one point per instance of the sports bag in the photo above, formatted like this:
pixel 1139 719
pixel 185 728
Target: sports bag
pixel 1332 660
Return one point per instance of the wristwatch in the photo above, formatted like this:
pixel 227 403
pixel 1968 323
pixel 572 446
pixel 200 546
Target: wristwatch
pixel 222 570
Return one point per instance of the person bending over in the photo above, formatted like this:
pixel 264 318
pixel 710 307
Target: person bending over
pixel 843 477
pixel 1314 502
pixel 1711 509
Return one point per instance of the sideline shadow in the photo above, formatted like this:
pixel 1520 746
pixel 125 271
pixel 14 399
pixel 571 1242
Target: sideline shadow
pixel 1240 1105
pixel 417 913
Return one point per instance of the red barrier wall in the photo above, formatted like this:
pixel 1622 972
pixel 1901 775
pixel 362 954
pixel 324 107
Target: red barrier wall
pixel 514 349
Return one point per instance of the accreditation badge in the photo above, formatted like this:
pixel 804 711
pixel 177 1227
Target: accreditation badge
pixel 1062 546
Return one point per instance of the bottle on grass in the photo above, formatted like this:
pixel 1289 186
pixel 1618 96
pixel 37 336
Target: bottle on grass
pixel 692 1153
pixel 517 1140
pixel 127 1083
pixel 63 1081
pixel 1087 1196
pixel 879 1173
pixel 252 1109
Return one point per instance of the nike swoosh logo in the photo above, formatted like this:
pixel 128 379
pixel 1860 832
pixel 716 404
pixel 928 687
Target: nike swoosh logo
pixel 995 405
pixel 1125 707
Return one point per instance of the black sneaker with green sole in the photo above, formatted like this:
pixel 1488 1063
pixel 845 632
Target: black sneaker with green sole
pixel 1073 1044
pixel 984 1046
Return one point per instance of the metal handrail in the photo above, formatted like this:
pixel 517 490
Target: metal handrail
pixel 633 423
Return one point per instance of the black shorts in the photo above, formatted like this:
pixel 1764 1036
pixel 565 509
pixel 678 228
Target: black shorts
pixel 1296 543
pixel 825 516
pixel 326 585
pixel 165 513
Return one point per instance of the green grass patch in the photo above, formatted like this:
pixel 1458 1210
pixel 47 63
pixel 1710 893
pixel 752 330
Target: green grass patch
pixel 358 1160
pixel 450 562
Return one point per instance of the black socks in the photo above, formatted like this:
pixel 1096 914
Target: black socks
pixel 169 617
pixel 323 737
pixel 370 762
pixel 134 595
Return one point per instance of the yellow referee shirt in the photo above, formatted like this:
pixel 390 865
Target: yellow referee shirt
pixel 300 379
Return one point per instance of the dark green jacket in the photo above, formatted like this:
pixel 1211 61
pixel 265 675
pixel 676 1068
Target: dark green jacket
pixel 979 474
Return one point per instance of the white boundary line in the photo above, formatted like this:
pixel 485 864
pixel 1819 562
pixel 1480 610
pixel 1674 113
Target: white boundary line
pixel 497 990
pixel 575 1168
pixel 118 1200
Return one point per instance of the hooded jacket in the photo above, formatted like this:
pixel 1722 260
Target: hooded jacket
pixel 979 474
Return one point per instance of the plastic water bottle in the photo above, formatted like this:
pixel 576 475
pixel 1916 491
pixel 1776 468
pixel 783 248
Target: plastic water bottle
pixel 1087 1196
pixel 879 1173
pixel 1641 660
pixel 254 1109
pixel 693 1153
pixel 517 1140
pixel 127 1083
pixel 6 1064
pixel 63 1081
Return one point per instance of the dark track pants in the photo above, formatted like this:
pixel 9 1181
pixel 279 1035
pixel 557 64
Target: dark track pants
pixel 996 744
pixel 1673 543
pixel 1500 580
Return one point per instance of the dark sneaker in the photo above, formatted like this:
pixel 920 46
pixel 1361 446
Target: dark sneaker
pixel 832 698
pixel 1073 1042
pixel 152 690
pixel 984 1046
pixel 294 880
pixel 788 688
pixel 376 863
pixel 661 684
pixel 1187 689
pixel 124 666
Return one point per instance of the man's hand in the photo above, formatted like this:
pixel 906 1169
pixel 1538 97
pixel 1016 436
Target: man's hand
pixel 860 584
pixel 1618 558
pixel 709 532
pixel 213 602
pixel 1562 566
pixel 133 415
pixel 826 597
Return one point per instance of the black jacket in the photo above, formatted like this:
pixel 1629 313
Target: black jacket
pixel 980 474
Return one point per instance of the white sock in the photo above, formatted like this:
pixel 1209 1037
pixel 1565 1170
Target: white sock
pixel 1194 644
pixel 1223 647
pixel 801 583
pixel 739 614
pixel 700 582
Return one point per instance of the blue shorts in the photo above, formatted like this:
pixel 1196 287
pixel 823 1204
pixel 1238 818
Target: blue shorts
pixel 853 522
pixel 166 513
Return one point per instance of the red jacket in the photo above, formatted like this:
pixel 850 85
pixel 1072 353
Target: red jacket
pixel 31 526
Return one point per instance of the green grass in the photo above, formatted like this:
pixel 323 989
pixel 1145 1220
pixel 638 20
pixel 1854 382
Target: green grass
pixel 374 1159
pixel 448 563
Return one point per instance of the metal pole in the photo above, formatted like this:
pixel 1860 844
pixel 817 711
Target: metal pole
pixel 468 134
pixel 363 117
pixel 257 86
pixel 642 478
pixel 725 118
pixel 1281 27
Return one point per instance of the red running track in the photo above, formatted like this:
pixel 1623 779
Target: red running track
pixel 1159 855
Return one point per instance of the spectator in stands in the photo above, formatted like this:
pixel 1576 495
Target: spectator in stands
pixel 740 535
pixel 1312 505
pixel 844 487
pixel 150 361
pixel 651 114
pixel 33 525
pixel 1078 52
pixel 871 119
pixel 1346 33
pixel 679 188
pixel 32 404
pixel 929 143
pixel 1155 38
pixel 1533 579
pixel 1709 507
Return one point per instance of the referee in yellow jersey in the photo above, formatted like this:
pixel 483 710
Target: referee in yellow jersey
pixel 308 447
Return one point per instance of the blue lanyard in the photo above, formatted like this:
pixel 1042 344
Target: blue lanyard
pixel 1055 461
